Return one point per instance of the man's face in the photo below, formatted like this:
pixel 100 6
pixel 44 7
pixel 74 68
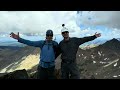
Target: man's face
pixel 49 37
pixel 65 34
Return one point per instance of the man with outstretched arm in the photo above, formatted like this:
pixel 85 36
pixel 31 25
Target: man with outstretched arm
pixel 68 49
pixel 48 54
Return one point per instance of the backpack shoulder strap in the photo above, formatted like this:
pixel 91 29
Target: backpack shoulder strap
pixel 43 44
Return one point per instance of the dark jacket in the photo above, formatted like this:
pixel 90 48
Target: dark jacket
pixel 70 48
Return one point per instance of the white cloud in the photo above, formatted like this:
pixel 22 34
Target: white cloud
pixel 110 19
pixel 35 21
pixel 40 21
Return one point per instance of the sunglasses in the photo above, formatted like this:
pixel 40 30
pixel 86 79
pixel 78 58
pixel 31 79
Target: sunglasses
pixel 49 35
pixel 65 32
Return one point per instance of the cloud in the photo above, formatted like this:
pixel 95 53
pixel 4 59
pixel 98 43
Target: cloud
pixel 110 19
pixel 35 21
pixel 40 21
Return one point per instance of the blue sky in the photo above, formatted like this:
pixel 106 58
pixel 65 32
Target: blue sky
pixel 84 24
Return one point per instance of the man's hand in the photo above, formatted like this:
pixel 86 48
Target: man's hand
pixel 15 36
pixel 97 35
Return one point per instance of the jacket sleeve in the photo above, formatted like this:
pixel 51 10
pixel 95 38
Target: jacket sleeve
pixel 80 41
pixel 30 43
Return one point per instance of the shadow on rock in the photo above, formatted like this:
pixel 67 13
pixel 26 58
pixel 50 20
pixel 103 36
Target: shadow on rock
pixel 18 74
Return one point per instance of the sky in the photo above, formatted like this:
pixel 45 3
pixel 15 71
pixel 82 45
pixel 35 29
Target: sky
pixel 80 24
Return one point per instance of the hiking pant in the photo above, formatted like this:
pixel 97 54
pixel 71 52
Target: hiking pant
pixel 46 73
pixel 69 71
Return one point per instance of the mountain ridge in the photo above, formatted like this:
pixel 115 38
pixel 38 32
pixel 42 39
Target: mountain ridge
pixel 101 62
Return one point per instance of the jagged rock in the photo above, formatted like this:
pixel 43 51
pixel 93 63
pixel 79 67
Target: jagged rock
pixel 33 75
pixel 18 74
pixel 57 74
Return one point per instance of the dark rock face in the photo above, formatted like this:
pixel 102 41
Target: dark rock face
pixel 57 74
pixel 18 74
pixel 103 62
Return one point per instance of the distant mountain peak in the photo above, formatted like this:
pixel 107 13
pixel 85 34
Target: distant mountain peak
pixel 114 40
pixel 112 44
